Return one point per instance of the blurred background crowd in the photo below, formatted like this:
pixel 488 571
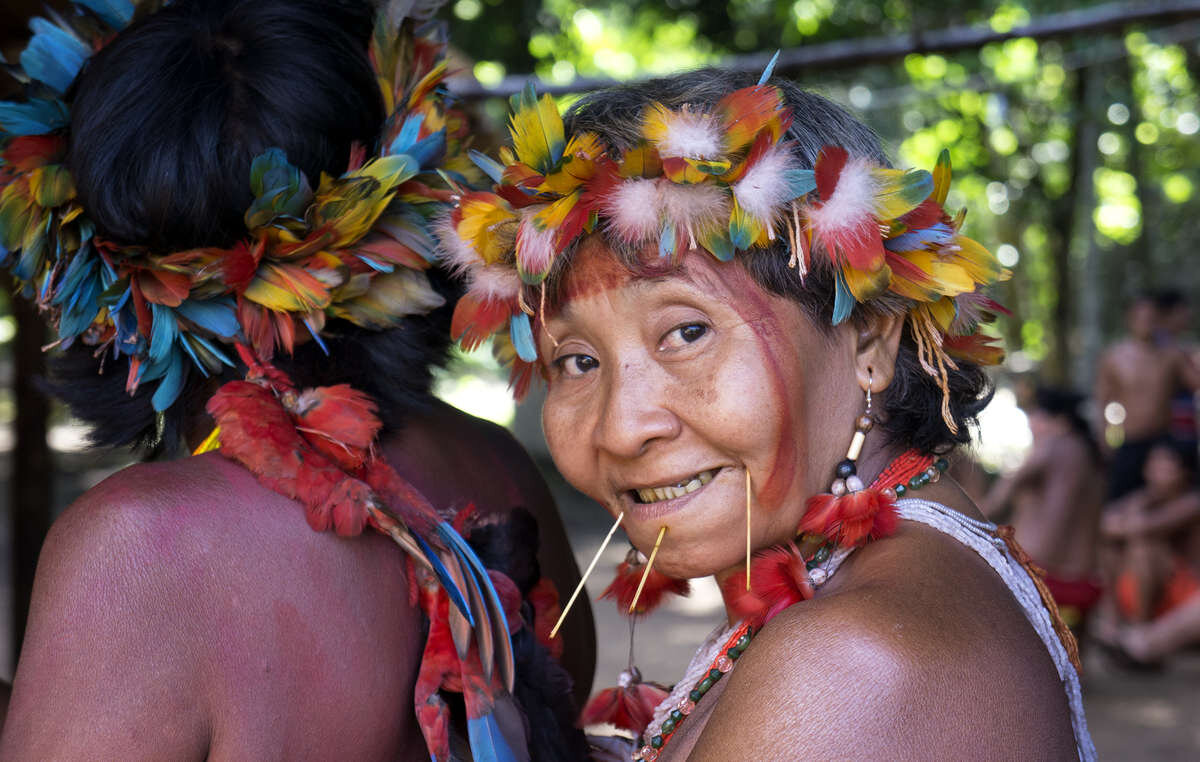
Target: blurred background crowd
pixel 1072 128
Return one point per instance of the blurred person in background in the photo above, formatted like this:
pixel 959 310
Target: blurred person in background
pixel 1142 377
pixel 1175 318
pixel 1056 497
pixel 1152 540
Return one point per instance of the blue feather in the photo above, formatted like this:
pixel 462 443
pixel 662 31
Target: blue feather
pixel 187 347
pixel 472 563
pixel 939 234
pixel 720 246
pixel 487 743
pixel 163 333
pixel 316 335
pixel 521 333
pixel 443 575
pixel 115 13
pixel 169 388
pixel 217 316
pixel 36 117
pixel 54 55
pixel 843 300
pixel 800 182
pixel 428 149
pixel 490 166
pixel 212 349
pixel 666 241
pixel 767 72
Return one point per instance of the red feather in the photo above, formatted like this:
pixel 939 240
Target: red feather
pixel 778 579
pixel 546 609
pixel 339 422
pixel 657 587
pixel 851 519
pixel 629 706
pixel 830 162
pixel 927 214
pixel 240 263
pixel 477 318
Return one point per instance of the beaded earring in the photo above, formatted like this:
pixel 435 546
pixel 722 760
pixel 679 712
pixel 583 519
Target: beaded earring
pixel 851 513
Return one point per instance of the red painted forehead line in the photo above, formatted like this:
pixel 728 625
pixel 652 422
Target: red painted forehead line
pixel 596 268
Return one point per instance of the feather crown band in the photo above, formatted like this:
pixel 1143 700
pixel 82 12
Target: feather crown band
pixel 724 179
pixel 354 248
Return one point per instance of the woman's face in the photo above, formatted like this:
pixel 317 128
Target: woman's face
pixel 664 392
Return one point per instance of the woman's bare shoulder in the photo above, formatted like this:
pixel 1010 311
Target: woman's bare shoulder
pixel 927 659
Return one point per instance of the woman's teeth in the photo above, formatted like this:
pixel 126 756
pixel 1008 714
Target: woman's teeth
pixel 658 494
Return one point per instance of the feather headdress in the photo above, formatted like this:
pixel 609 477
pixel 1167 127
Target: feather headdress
pixel 355 248
pixel 723 179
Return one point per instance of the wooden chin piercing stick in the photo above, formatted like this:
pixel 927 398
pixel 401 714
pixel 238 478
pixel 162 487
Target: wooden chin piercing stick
pixel 649 563
pixel 747 529
pixel 588 572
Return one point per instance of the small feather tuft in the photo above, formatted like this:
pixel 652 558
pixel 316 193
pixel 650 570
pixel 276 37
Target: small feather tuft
pixel 634 210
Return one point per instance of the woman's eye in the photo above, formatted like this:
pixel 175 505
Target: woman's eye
pixel 576 365
pixel 684 335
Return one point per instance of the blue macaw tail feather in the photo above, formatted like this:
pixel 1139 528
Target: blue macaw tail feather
pixel 487 743
pixel 499 621
pixel 54 55
pixel 443 575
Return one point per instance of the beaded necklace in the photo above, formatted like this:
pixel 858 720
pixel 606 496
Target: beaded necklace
pixel 910 471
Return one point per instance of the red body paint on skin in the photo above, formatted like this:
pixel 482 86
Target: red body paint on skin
pixel 748 300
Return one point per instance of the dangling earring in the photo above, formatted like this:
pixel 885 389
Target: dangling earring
pixel 850 514
pixel 637 589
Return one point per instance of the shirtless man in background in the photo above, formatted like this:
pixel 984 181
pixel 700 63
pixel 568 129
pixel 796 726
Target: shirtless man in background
pixel 1057 496
pixel 1141 376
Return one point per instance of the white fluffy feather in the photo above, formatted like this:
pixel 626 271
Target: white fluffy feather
pixel 535 248
pixel 691 135
pixel 499 282
pixel 761 191
pixel 852 202
pixel 634 210
pixel 452 251
pixel 693 208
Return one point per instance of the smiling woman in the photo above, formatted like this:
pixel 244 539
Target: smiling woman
pixel 758 340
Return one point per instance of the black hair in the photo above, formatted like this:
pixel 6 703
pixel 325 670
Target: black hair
pixel 913 402
pixel 1068 405
pixel 1168 299
pixel 166 120
pixel 1183 451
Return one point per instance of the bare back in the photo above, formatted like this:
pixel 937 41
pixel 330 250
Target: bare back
pixel 1057 508
pixel 184 611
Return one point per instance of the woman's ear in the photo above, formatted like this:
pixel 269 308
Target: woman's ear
pixel 877 343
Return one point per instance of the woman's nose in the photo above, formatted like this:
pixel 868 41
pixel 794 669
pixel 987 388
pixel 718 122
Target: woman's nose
pixel 634 416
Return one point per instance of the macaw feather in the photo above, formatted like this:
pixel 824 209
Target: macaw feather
pixel 287 288
pixel 54 55
pixel 488 224
pixel 747 112
pixel 388 298
pixel 898 192
pixel 477 316
pixel 537 130
pixel 977 348
pixel 941 178
pixel 521 333
pixel 35 117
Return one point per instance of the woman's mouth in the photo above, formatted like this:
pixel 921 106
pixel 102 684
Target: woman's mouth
pixel 646 495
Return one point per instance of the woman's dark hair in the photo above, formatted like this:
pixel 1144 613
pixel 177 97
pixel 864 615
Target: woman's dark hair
pixel 166 121
pixel 913 402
